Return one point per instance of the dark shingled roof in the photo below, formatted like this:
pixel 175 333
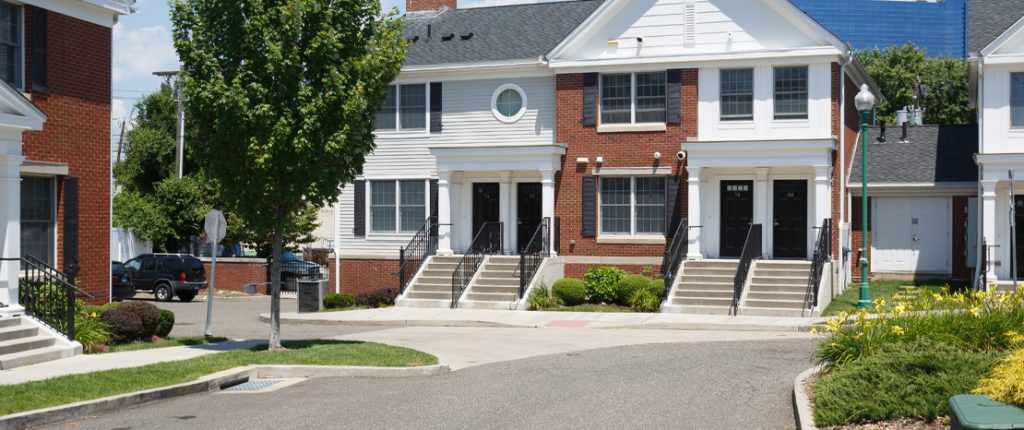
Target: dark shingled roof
pixel 515 32
pixel 932 153
pixel 988 19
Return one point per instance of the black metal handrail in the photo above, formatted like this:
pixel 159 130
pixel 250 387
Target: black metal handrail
pixel 488 240
pixel 533 254
pixel 751 252
pixel 48 295
pixel 982 268
pixel 822 254
pixel 412 256
pixel 674 254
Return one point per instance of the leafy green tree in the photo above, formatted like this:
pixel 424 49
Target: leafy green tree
pixel 282 94
pixel 896 70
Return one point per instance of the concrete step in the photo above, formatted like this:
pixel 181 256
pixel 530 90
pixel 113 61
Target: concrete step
pixel 501 267
pixel 497 281
pixel 17 332
pixel 491 274
pixel 450 259
pixel 775 304
pixel 444 267
pixel 772 280
pixel 34 356
pixel 701 301
pixel 431 287
pixel 435 273
pixel 424 303
pixel 765 295
pixel 714 294
pixel 781 273
pixel 488 289
pixel 488 297
pixel 712 264
pixel 707 279
pixel 429 295
pixel 25 344
pixel 702 286
pixel 10 322
pixel 699 310
pixel 774 312
pixel 506 259
pixel 699 271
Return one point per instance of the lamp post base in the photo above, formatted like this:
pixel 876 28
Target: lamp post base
pixel 865 297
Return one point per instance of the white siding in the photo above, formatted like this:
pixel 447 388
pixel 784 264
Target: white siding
pixel 998 134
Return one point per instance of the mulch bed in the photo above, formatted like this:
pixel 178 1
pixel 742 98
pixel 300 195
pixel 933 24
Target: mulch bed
pixel 899 424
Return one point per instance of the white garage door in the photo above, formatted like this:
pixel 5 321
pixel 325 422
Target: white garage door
pixel 911 235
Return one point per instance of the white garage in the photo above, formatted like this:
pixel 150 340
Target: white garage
pixel 911 235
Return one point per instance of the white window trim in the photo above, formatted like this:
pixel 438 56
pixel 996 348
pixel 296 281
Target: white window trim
pixel 494 103
pixel 632 125
pixel 370 232
pixel 753 94
pixel 398 110
pixel 1013 128
pixel 807 112
pixel 632 236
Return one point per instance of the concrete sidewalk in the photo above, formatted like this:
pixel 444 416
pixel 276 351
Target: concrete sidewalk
pixel 429 317
pixel 87 363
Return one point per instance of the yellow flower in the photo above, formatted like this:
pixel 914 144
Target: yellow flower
pixel 814 331
pixel 93 315
pixel 879 303
pixel 900 308
pixel 860 335
pixel 976 311
pixel 897 330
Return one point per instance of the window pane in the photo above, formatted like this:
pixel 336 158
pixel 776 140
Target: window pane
pixel 386 114
pixel 615 203
pixel 10 42
pixel 616 99
pixel 650 205
pixel 414 107
pixel 509 103
pixel 382 206
pixel 791 93
pixel 650 97
pixel 37 218
pixel 1017 99
pixel 737 88
pixel 413 205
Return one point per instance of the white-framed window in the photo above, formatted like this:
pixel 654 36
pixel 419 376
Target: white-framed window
pixel 39 218
pixel 11 44
pixel 404 109
pixel 633 205
pixel 397 206
pixel 508 103
pixel 1017 100
pixel 737 94
pixel 633 98
pixel 791 92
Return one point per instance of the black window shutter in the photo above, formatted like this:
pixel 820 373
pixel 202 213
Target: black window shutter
pixel 359 220
pixel 433 206
pixel 589 218
pixel 39 26
pixel 590 99
pixel 673 211
pixel 71 226
pixel 674 93
pixel 435 107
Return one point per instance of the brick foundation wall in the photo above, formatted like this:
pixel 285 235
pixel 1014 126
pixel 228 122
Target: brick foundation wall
pixel 77 133
pixel 634 149
pixel 577 270
pixel 235 273
pixel 364 275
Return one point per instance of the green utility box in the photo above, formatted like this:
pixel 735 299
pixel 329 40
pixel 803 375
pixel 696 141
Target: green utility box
pixel 974 412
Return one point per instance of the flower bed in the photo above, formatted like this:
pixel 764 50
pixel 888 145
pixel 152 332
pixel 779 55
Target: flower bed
pixel 604 288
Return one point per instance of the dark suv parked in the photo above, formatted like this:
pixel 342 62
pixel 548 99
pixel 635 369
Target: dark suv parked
pixel 167 275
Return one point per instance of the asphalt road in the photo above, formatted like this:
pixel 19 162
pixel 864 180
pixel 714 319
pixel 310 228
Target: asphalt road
pixel 710 385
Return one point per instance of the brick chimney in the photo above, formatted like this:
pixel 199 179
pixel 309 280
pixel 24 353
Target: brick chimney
pixel 428 5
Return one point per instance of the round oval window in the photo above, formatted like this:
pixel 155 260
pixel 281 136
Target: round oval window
pixel 509 103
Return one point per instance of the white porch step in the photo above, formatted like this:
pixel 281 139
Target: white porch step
pixel 10 322
pixel 34 356
pixel 777 304
pixel 25 344
pixel 17 332
pixel 776 312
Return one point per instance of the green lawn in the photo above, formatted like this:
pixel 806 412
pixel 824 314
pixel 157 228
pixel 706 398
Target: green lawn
pixel 589 308
pixel 884 289
pixel 167 343
pixel 76 388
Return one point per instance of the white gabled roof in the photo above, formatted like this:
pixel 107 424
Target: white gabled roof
pixel 1002 40
pixel 16 111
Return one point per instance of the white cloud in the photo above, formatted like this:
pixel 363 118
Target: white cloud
pixel 142 51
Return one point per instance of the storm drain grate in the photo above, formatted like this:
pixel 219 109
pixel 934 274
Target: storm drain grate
pixel 255 385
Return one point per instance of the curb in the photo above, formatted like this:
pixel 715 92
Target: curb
pixel 209 383
pixel 802 408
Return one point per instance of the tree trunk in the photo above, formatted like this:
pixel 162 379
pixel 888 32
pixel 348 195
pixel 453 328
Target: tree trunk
pixel 275 288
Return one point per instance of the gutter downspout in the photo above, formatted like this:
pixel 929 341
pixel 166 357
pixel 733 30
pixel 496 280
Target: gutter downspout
pixel 843 227
pixel 337 246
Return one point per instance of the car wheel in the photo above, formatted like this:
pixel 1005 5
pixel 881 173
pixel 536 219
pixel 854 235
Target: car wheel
pixel 163 293
pixel 187 297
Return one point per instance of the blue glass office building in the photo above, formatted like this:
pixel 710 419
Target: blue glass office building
pixel 939 26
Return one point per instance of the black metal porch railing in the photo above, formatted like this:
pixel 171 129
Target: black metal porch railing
pixel 822 254
pixel 488 240
pixel 48 295
pixel 751 252
pixel 533 254
pixel 412 256
pixel 674 254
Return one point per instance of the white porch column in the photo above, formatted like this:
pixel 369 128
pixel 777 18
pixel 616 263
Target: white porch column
pixel 988 223
pixel 822 205
pixel 761 207
pixel 505 196
pixel 10 222
pixel 695 217
pixel 547 184
pixel 444 213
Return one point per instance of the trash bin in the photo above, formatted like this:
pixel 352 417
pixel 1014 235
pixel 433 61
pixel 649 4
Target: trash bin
pixel 311 296
pixel 975 412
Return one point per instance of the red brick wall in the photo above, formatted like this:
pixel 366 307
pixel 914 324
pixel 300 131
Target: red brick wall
pixel 363 275
pixel 848 130
pixel 233 275
pixel 424 5
pixel 959 238
pixel 577 270
pixel 619 150
pixel 77 133
pixel 855 233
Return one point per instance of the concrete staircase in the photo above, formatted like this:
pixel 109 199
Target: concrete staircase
pixel 777 288
pixel 23 342
pixel 703 287
pixel 496 285
pixel 432 287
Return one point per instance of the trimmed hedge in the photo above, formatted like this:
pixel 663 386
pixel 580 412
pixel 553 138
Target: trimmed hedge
pixel 148 314
pixel 124 326
pixel 602 283
pixel 628 286
pixel 571 292
pixel 166 323
pixel 339 301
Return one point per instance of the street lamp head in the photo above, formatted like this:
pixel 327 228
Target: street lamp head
pixel 865 101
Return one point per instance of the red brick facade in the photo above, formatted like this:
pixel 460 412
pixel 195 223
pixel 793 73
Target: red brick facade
pixel 234 274
pixel 633 149
pixel 77 133
pixel 578 270
pixel 363 276
pixel 856 237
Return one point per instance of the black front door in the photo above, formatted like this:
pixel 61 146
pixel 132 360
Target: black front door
pixel 528 204
pixel 486 209
pixel 737 214
pixel 789 234
pixel 1018 216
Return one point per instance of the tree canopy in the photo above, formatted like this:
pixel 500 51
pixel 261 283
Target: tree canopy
pixel 896 70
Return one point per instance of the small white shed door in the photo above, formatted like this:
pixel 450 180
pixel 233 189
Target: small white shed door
pixel 911 235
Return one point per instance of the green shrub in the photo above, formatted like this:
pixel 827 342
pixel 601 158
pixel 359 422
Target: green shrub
pixel 570 291
pixel 339 301
pixel 628 285
pixel 657 287
pixel 148 314
pixel 380 298
pixel 125 327
pixel 166 323
pixel 92 333
pixel 542 298
pixel 644 300
pixel 1006 382
pixel 911 379
pixel 602 282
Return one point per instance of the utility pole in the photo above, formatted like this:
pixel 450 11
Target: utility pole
pixel 179 153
